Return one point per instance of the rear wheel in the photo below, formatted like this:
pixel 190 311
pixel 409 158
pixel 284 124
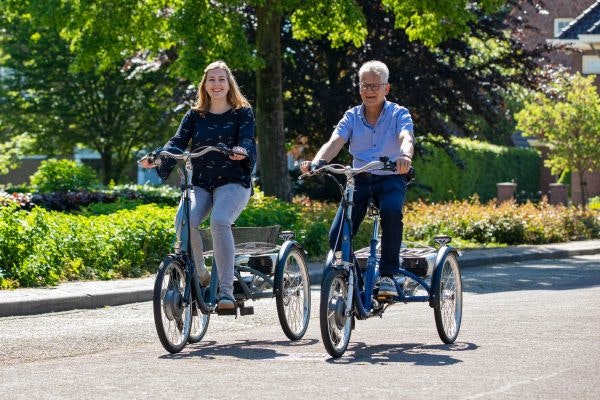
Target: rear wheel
pixel 447 306
pixel 293 300
pixel 171 318
pixel 336 326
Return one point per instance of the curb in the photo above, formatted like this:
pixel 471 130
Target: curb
pixel 88 295
pixel 480 257
pixel 72 302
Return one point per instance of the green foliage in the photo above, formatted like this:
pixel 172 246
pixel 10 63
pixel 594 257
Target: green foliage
pixel 439 178
pixel 594 203
pixel 45 247
pixel 567 119
pixel 146 193
pixel 114 108
pixel 63 176
pixel 509 223
pixel 340 21
pixel 427 20
pixel 267 210
pixel 565 177
pixel 12 149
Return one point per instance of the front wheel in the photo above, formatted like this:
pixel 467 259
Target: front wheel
pixel 336 326
pixel 447 306
pixel 293 298
pixel 171 318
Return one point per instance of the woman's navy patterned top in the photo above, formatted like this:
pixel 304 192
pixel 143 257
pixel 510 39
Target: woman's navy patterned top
pixel 233 128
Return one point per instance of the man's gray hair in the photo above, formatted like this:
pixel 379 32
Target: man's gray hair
pixel 377 67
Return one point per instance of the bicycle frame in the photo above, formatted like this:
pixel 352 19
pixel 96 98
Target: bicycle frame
pixel 363 298
pixel 207 297
pixel 182 246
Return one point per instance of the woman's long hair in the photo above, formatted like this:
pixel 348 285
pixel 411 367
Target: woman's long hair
pixel 234 96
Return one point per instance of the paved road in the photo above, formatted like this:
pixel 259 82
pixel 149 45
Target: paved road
pixel 530 331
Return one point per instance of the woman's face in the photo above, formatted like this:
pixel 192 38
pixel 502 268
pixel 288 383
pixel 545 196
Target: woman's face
pixel 217 85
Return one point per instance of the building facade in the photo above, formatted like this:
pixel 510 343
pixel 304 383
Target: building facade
pixel 572 28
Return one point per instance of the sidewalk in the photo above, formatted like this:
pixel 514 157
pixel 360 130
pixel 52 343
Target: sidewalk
pixel 94 294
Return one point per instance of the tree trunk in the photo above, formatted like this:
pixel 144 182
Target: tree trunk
pixel 582 186
pixel 107 166
pixel 272 158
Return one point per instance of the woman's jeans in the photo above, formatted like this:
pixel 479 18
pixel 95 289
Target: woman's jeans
pixel 388 193
pixel 226 202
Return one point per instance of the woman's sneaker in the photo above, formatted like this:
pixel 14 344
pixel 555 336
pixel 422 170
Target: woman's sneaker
pixel 226 303
pixel 387 287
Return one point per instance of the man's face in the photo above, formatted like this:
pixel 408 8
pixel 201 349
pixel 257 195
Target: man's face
pixel 372 90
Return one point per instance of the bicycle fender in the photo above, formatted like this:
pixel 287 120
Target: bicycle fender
pixel 442 254
pixel 284 251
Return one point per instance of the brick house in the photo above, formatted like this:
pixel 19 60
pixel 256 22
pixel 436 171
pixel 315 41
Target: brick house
pixel 572 27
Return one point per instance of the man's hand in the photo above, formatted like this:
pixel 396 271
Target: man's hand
pixel 403 164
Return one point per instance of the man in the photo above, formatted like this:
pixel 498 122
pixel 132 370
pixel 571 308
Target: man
pixel 376 128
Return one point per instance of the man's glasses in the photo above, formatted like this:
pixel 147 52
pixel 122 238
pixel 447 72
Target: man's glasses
pixel 370 86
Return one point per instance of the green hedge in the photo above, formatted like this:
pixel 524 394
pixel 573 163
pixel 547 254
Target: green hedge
pixel 41 247
pixel 46 247
pixel 440 179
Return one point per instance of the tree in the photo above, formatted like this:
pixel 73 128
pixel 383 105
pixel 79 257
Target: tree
pixel 115 111
pixel 198 31
pixel 461 91
pixel 567 118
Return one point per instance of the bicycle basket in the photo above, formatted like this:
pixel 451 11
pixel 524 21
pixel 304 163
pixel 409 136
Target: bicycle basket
pixel 248 240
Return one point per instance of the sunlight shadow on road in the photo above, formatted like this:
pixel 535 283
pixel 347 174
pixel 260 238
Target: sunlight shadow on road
pixel 242 349
pixel 411 353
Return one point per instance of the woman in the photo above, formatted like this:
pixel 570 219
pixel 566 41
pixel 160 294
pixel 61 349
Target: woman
pixel 221 183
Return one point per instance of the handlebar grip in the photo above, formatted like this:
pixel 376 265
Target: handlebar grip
pixel 318 164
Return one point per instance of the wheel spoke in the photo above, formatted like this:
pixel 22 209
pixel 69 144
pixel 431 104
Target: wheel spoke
pixel 295 296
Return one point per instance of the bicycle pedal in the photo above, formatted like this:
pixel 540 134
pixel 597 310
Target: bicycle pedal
pixel 247 310
pixel 227 311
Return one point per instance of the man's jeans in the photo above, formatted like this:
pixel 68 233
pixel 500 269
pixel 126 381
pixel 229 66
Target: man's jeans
pixel 388 194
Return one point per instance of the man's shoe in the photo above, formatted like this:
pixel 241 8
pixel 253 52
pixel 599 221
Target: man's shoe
pixel 387 288
pixel 204 277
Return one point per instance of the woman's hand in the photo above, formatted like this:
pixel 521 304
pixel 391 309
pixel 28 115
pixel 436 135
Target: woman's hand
pixel 305 166
pixel 240 153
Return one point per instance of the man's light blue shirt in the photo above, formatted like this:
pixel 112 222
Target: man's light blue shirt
pixel 369 143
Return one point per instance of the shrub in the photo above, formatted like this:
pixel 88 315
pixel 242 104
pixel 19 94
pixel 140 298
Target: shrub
pixel 440 179
pixel 63 176
pixel 45 247
pixel 42 247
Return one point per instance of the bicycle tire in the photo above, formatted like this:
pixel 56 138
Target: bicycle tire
pixel 336 328
pixel 447 307
pixel 171 319
pixel 293 298
pixel 199 324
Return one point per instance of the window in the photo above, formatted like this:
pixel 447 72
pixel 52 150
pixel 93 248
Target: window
pixel 560 23
pixel 590 64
